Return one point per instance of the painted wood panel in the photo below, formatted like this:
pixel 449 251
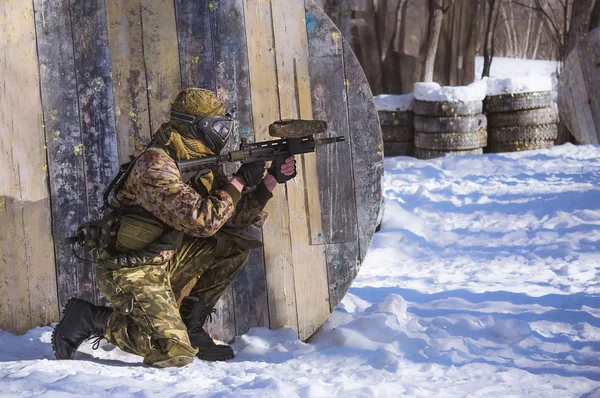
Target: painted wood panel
pixel 232 86
pixel 129 76
pixel 579 90
pixel 366 149
pixel 161 58
pixel 96 115
pixel 310 276
pixel 276 231
pixel 28 280
pixel 63 139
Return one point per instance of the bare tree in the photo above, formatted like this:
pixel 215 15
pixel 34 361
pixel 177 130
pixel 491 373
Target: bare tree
pixel 436 15
pixel 493 9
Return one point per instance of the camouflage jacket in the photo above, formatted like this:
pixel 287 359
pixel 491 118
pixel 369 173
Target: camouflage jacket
pixel 199 209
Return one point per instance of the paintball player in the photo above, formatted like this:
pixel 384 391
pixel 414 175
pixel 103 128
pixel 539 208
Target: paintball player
pixel 172 247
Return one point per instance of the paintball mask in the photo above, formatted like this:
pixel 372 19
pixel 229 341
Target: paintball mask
pixel 214 131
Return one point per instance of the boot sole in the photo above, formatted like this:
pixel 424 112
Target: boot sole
pixel 215 358
pixel 66 311
pixel 176 362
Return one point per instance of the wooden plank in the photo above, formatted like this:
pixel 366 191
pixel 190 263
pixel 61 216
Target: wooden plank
pixel 342 260
pixel 14 309
pixel 29 258
pixel 367 150
pixel 250 291
pixel 96 114
pixel 329 101
pixel 61 120
pixel 232 85
pixel 129 76
pixel 588 51
pixel 222 325
pixel 265 109
pixel 573 101
pixel 161 58
pixel 310 275
pixel 196 59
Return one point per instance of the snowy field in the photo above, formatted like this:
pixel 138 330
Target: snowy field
pixel 483 282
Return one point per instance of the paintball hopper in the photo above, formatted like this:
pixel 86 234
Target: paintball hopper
pixel 297 128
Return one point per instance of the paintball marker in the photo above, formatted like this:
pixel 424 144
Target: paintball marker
pixel 297 137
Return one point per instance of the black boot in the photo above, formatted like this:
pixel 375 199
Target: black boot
pixel 194 314
pixel 81 321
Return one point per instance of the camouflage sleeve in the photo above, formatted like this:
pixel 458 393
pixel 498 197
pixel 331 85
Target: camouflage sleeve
pixel 249 209
pixel 157 183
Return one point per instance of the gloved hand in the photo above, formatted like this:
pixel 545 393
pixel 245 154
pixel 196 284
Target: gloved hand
pixel 283 171
pixel 252 173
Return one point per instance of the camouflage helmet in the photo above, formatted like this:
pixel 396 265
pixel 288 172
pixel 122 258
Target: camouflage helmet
pixel 198 102
pixel 198 114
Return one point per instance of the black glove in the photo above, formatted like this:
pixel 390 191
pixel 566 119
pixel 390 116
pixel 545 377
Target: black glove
pixel 252 173
pixel 275 171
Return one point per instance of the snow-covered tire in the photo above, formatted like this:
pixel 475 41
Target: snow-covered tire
pixel 397 133
pixel 517 102
pixel 398 149
pixel 517 146
pixel 544 132
pixel 388 118
pixel 459 124
pixel 447 109
pixel 451 141
pixel 531 117
pixel 431 154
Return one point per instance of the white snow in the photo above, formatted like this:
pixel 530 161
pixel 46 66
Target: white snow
pixel 518 84
pixel 394 102
pixel 483 282
pixel 514 75
pixel 434 92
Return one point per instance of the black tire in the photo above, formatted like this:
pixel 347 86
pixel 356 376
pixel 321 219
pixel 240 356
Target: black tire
pixel 398 149
pixel 447 109
pixel 517 102
pixel 531 117
pixel 431 154
pixel 517 146
pixel 397 133
pixel 387 118
pixel 544 132
pixel 451 141
pixel 459 124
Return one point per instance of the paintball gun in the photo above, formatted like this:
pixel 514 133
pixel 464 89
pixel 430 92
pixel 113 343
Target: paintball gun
pixel 297 137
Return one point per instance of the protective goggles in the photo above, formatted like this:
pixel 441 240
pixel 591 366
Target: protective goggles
pixel 213 130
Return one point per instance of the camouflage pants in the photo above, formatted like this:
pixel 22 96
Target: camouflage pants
pixel 147 298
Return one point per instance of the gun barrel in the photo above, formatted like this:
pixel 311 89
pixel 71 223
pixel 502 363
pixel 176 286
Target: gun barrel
pixel 332 140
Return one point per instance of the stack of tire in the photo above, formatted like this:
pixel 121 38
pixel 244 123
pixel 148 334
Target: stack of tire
pixel 452 127
pixel 521 121
pixel 398 132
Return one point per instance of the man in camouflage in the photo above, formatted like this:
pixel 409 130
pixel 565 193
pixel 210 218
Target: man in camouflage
pixel 161 298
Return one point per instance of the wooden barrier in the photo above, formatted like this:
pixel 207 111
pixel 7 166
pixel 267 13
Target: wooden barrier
pixel 109 71
pixel 579 90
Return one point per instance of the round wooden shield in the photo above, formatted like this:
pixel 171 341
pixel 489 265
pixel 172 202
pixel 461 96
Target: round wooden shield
pixel 121 63
pixel 579 90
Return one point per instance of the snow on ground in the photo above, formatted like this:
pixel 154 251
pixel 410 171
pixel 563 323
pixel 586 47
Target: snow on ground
pixel 483 281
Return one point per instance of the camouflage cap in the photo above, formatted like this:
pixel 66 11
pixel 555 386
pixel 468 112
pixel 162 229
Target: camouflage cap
pixel 198 101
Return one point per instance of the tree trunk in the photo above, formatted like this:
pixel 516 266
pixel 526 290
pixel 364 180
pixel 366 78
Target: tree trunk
pixel 580 22
pixel 436 14
pixel 595 19
pixel 492 19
